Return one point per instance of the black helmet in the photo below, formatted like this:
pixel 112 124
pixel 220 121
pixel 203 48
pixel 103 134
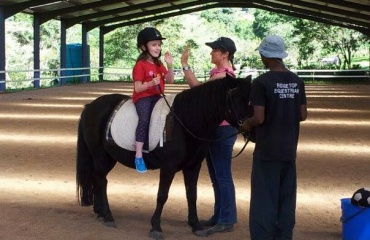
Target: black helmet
pixel 148 34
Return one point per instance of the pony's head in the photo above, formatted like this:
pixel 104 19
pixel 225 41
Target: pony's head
pixel 237 101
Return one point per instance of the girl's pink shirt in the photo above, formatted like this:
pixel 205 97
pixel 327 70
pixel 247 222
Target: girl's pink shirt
pixel 229 71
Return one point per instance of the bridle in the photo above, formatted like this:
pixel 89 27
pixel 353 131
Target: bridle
pixel 229 98
pixel 246 135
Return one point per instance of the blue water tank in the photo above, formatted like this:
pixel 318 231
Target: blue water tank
pixel 74 60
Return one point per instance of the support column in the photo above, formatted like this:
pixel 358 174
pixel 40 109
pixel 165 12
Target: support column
pixel 63 51
pixel 101 54
pixel 2 50
pixel 36 51
pixel 85 55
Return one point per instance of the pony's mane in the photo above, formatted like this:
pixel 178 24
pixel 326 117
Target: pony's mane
pixel 204 106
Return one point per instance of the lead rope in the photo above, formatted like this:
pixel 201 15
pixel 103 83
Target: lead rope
pixel 246 140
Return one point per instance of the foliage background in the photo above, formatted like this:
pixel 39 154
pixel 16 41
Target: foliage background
pixel 307 41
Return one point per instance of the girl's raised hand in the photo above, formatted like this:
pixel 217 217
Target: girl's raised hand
pixel 168 58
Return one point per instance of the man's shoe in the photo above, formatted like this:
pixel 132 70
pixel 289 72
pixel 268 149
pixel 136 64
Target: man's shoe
pixel 207 223
pixel 218 228
pixel 140 165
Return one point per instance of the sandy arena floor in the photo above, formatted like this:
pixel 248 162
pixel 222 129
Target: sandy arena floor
pixel 37 161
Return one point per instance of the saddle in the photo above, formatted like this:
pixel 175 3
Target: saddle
pixel 122 125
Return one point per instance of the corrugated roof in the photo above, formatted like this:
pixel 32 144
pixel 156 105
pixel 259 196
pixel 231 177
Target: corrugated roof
pixel 111 14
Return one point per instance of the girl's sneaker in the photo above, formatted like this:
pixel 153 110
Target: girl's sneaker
pixel 140 165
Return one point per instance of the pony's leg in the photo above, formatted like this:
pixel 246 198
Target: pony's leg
pixel 191 175
pixel 165 181
pixel 101 205
pixel 103 165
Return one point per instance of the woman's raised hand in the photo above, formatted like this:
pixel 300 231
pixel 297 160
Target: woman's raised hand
pixel 185 56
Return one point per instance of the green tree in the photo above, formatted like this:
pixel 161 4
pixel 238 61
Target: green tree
pixel 19 40
pixel 306 35
pixel 347 42
pixel 266 22
pixel 323 40
pixel 233 21
pixel 120 46
pixel 223 16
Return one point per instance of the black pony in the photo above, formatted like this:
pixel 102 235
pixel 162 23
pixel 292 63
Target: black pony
pixel 196 113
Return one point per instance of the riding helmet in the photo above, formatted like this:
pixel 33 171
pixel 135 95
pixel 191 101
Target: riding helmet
pixel 148 34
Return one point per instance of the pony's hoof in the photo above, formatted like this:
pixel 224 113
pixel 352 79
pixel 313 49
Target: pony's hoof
pixel 201 233
pixel 156 235
pixel 110 224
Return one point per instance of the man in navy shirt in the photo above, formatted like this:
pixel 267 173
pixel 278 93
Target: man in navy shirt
pixel 279 102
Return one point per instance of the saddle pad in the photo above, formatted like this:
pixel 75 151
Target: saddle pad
pixel 124 123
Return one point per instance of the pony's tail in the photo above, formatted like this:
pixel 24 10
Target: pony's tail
pixel 84 170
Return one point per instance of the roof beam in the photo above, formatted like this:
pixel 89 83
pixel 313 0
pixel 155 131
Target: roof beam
pixel 52 14
pixel 110 28
pixel 12 9
pixel 362 29
pixel 83 18
pixel 306 12
pixel 154 14
pixel 349 4
pixel 321 7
